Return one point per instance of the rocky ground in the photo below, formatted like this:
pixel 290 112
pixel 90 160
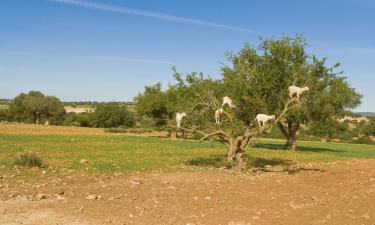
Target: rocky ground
pixel 335 193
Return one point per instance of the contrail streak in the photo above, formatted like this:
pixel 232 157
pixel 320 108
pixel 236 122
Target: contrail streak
pixel 150 14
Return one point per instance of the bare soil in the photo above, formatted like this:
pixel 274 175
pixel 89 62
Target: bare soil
pixel 329 193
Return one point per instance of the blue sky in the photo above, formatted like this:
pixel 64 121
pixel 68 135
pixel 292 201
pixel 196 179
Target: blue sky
pixel 108 50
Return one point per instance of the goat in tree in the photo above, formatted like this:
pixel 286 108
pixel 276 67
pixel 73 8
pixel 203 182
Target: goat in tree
pixel 262 119
pixel 179 117
pixel 294 90
pixel 228 101
pixel 218 113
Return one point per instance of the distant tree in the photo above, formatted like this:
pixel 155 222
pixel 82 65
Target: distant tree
pixel 369 128
pixel 33 106
pixel 153 103
pixel 112 115
pixel 330 129
pixel 180 96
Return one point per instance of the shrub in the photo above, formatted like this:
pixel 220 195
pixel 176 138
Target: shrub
pixel 112 115
pixel 28 159
pixel 4 115
pixel 364 140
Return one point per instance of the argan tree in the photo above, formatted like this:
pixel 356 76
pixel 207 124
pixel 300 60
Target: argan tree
pixel 258 78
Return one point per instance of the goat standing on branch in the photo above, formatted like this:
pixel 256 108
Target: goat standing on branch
pixel 179 117
pixel 262 119
pixel 294 90
pixel 228 101
pixel 218 113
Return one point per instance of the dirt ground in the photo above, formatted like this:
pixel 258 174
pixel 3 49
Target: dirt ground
pixel 330 193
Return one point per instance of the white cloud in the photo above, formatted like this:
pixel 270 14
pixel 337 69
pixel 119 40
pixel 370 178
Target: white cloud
pixel 151 14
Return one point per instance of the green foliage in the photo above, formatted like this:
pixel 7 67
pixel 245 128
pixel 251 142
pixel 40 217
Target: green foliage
pixel 4 115
pixel 28 159
pixel 259 77
pixel 162 106
pixel 152 103
pixel 364 140
pixel 34 106
pixel 78 120
pixel 369 128
pixel 110 115
pixel 331 129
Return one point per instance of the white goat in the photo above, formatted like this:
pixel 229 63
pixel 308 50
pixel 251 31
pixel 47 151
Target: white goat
pixel 46 123
pixel 218 112
pixel 264 119
pixel 228 101
pixel 294 90
pixel 179 117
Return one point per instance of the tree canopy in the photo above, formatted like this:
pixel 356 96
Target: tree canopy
pixel 257 78
pixel 112 115
pixel 34 106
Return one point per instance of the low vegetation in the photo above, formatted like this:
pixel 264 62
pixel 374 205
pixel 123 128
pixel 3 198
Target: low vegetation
pixel 28 159
pixel 111 153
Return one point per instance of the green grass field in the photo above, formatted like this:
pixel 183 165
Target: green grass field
pixel 110 153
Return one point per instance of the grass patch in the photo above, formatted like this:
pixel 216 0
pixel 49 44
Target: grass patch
pixel 28 159
pixel 112 153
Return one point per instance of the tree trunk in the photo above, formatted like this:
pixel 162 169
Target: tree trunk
pixel 37 118
pixel 290 133
pixel 236 154
pixel 292 141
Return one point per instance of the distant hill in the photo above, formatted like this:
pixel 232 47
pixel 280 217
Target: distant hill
pixel 366 113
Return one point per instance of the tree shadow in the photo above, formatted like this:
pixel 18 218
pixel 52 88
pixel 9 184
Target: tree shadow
pixel 272 146
pixel 213 160
pixel 259 162
pixel 256 164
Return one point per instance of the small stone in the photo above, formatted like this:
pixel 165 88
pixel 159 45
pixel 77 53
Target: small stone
pixel 44 172
pixel 40 196
pixel 135 181
pixel 366 216
pixel 91 197
pixel 208 198
pixel 81 209
pixel 84 161
pixel 131 215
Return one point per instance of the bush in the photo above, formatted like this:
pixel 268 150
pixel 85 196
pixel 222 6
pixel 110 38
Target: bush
pixel 4 115
pixel 364 140
pixel 112 115
pixel 78 120
pixel 28 159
